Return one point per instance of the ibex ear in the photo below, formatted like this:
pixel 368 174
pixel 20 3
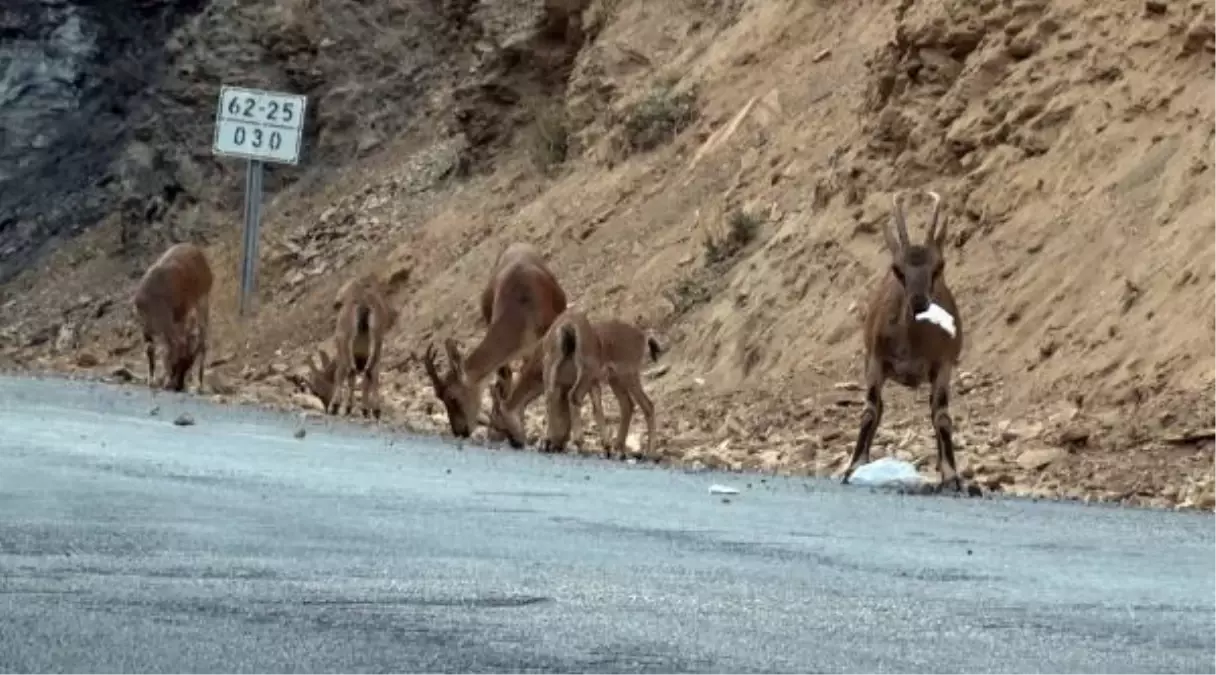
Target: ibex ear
pixel 453 350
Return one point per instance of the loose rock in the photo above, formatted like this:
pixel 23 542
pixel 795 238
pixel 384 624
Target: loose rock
pixel 1033 460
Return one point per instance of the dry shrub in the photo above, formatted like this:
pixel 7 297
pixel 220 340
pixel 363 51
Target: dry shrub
pixel 547 138
pixel 659 117
pixel 742 226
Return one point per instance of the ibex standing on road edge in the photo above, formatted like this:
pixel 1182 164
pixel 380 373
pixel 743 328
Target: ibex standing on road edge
pixel 176 285
pixel 364 318
pixel 909 351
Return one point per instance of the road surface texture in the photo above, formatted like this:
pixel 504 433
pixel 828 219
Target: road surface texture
pixel 131 544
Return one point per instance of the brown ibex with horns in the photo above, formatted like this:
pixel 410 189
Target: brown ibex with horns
pixel 902 342
pixel 518 304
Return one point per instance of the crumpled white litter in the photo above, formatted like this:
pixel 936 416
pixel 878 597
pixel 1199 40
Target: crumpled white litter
pixel 717 489
pixel 938 316
pixel 887 472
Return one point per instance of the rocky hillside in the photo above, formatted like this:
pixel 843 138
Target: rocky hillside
pixel 720 170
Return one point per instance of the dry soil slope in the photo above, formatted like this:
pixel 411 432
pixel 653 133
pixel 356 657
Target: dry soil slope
pixel 1073 144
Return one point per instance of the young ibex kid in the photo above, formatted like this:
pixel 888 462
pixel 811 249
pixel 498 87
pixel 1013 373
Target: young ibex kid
pixel 909 351
pixel 575 358
pixel 364 317
pixel 177 285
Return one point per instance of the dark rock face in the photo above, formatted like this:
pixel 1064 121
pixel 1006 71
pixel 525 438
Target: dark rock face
pixel 72 73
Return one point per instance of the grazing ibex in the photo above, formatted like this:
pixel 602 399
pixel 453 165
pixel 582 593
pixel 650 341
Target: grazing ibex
pixel 576 357
pixel 909 351
pixel 518 304
pixel 319 381
pixel 364 317
pixel 177 285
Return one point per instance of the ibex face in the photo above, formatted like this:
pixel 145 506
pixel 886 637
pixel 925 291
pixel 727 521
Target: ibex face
pixel 184 349
pixel 917 267
pixel 458 398
pixel 321 381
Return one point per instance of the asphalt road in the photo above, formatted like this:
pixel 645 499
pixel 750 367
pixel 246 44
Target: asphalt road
pixel 130 544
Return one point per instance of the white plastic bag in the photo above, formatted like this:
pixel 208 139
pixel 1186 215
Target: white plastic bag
pixel 887 472
pixel 936 314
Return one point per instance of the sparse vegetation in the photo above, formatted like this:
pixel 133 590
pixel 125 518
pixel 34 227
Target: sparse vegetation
pixel 689 293
pixel 548 137
pixel 660 116
pixel 722 246
pixel 742 226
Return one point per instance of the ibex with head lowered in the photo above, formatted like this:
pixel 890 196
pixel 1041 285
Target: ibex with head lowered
pixel 518 305
pixel 319 381
pixel 900 344
pixel 177 285
pixel 576 357
pixel 364 317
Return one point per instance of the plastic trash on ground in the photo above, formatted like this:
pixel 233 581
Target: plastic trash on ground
pixel 939 316
pixel 717 489
pixel 887 472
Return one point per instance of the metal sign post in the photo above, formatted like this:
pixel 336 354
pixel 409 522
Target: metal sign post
pixel 259 126
pixel 253 223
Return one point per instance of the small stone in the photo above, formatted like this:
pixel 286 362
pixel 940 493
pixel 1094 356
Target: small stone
pixel 184 420
pixel 1205 500
pixel 1154 7
pixel 155 410
pixel 216 384
pixel 1074 435
pixel 123 373
pixel 86 360
pixel 300 433
pixel 1033 460
pixel 306 401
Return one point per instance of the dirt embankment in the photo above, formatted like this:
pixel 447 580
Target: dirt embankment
pixel 720 171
